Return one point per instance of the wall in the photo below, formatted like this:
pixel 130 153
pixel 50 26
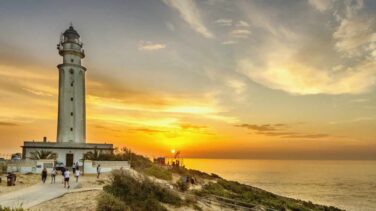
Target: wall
pixel 78 154
pixel 90 167
pixel 30 166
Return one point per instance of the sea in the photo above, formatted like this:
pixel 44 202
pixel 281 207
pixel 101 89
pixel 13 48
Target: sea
pixel 349 185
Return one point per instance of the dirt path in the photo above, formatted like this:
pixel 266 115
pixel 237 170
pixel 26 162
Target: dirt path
pixel 41 194
pixel 33 195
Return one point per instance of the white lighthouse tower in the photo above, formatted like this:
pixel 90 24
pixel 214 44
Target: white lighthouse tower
pixel 70 145
pixel 71 117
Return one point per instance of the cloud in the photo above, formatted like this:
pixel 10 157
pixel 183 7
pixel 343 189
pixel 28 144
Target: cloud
pixel 280 130
pixel 190 14
pixel 147 130
pixel 242 24
pixel 8 124
pixel 335 58
pixel 309 136
pixel 150 46
pixel 192 126
pixel 355 34
pixel 224 22
pixel 229 42
pixel 321 5
pixel 240 33
pixel 237 85
pixel 262 128
pixel 283 71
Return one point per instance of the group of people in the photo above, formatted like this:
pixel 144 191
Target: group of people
pixel 66 174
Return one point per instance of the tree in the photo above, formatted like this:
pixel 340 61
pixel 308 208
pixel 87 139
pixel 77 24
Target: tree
pixel 92 155
pixel 43 154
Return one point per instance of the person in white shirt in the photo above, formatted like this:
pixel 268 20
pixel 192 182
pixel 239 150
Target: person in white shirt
pixel 77 174
pixel 53 175
pixel 66 178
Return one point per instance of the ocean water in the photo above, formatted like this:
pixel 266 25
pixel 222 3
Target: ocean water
pixel 350 185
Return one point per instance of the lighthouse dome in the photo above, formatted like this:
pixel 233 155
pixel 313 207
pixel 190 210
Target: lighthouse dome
pixel 71 33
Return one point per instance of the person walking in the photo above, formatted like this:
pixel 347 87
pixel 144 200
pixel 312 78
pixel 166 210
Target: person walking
pixel 77 174
pixel 62 174
pixel 53 175
pixel 66 179
pixel 74 168
pixel 98 171
pixel 44 175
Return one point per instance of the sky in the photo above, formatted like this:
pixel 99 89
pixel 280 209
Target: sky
pixel 292 79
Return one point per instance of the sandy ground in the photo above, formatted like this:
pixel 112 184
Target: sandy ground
pixel 85 200
pixel 22 181
pixel 73 201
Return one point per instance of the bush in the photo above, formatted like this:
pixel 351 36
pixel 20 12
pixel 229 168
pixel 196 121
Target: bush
pixel 108 202
pixel 158 172
pixel 194 173
pixel 3 168
pixel 140 194
pixel 182 186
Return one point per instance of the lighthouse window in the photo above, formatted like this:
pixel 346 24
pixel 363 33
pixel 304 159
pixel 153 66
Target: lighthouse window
pixel 71 71
pixel 72 60
pixel 71 129
pixel 71 99
pixel 71 84
pixel 71 113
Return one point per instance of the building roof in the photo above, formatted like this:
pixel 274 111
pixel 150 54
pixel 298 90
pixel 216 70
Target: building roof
pixel 71 33
pixel 49 145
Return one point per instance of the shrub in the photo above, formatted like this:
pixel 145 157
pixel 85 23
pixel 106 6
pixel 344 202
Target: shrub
pixel 158 172
pixel 140 194
pixel 108 202
pixel 182 186
pixel 194 173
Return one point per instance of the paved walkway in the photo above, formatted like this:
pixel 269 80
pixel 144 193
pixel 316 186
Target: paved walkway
pixel 34 195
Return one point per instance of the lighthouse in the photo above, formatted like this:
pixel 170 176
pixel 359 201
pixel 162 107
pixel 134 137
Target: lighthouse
pixel 71 108
pixel 71 144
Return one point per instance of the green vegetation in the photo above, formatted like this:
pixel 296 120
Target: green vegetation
pixel 128 193
pixel 137 162
pixel 43 154
pixel 182 186
pixel 158 172
pixel 141 194
pixel 108 202
pixel 243 193
pixel 3 168
pixel 193 173
pixel 10 209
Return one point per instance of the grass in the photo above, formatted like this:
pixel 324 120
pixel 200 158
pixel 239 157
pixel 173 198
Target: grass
pixel 194 173
pixel 158 172
pixel 136 194
pixel 10 209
